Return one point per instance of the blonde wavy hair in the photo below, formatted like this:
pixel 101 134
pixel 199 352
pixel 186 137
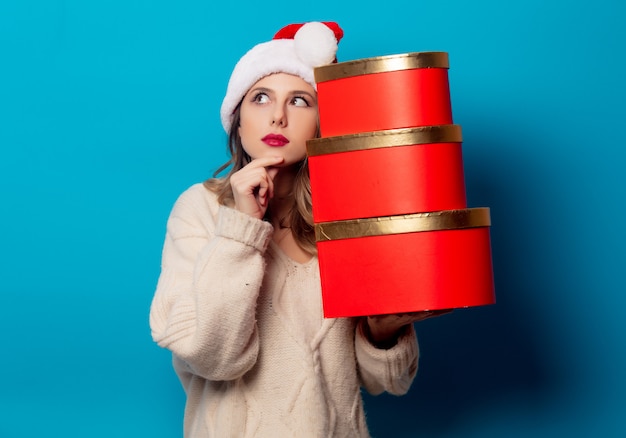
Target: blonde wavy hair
pixel 299 218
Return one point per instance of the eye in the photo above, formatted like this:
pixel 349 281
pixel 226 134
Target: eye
pixel 300 101
pixel 261 98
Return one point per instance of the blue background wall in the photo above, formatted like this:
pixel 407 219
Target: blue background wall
pixel 109 109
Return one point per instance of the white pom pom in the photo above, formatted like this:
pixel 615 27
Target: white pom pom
pixel 315 44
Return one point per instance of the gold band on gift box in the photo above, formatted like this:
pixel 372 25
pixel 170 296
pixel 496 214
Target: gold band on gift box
pixel 384 139
pixel 410 223
pixel 381 64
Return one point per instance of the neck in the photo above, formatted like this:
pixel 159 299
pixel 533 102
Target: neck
pixel 279 208
pixel 284 180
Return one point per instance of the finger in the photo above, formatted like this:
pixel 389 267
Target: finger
pixel 265 162
pixel 264 189
pixel 408 318
pixel 271 173
pixel 420 316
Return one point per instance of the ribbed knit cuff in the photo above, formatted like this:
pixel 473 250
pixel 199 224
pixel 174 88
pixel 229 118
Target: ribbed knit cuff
pixel 243 228
pixel 404 349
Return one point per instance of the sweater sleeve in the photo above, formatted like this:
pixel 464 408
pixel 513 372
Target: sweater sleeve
pixel 212 268
pixel 391 370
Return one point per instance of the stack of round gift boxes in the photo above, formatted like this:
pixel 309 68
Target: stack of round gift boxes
pixel 393 230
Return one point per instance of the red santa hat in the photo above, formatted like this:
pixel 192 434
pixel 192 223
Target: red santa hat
pixel 295 49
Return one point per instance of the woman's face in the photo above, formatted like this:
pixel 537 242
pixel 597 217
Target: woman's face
pixel 278 115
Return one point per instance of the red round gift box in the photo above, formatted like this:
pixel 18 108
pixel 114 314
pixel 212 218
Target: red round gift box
pixel 385 92
pixel 406 272
pixel 386 173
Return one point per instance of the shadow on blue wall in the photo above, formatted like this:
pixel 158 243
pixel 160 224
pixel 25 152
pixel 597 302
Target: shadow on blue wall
pixel 476 361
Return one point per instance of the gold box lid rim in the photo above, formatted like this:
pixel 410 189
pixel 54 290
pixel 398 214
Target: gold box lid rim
pixel 417 135
pixel 381 64
pixel 445 220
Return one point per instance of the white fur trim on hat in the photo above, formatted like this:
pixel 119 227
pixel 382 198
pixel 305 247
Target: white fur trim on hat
pixel 313 45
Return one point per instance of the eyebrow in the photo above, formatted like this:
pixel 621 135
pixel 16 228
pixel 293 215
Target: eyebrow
pixel 269 90
pixel 259 90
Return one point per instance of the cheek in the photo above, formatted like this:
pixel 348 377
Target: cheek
pixel 311 124
pixel 246 129
pixel 244 138
pixel 248 119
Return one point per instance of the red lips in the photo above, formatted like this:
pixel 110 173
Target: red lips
pixel 275 140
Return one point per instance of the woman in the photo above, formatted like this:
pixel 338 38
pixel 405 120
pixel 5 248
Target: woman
pixel 238 301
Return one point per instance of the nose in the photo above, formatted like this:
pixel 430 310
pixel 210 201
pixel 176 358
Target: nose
pixel 279 116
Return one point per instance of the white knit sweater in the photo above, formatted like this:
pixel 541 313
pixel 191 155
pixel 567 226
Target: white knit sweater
pixel 250 346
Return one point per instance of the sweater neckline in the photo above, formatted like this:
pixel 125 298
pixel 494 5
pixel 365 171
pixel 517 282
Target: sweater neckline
pixel 284 257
